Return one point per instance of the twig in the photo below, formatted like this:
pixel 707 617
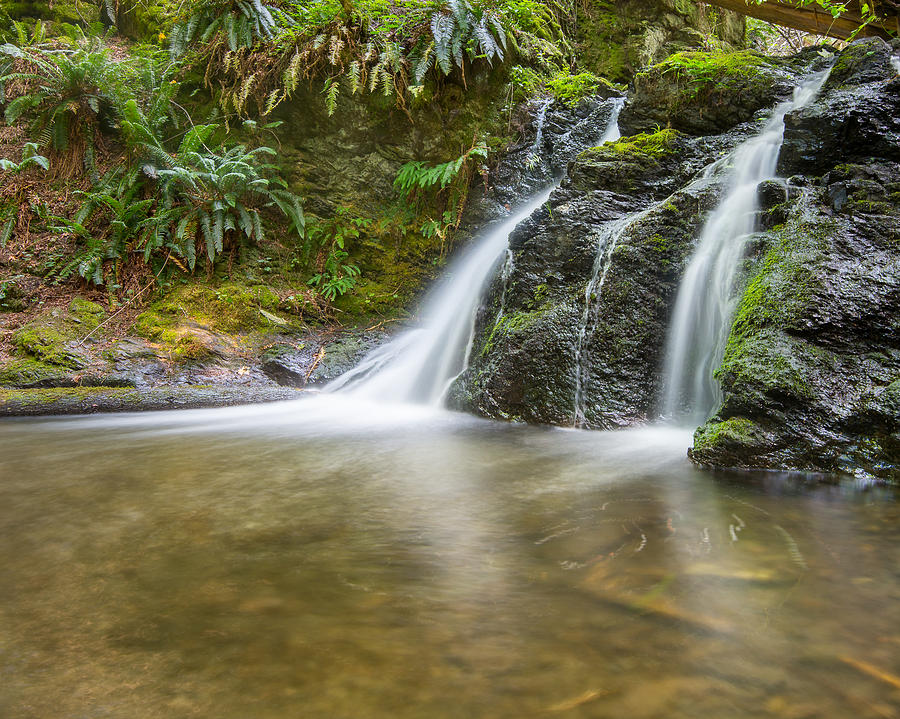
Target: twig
pixel 319 357
pixel 125 306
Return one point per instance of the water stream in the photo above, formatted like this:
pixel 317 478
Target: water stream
pixel 706 297
pixel 343 556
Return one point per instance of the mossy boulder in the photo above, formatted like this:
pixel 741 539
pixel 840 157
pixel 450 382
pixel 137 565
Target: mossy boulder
pixel 196 322
pixel 55 336
pixel 29 372
pixel 705 92
pixel 12 296
pixel 810 371
pixel 854 118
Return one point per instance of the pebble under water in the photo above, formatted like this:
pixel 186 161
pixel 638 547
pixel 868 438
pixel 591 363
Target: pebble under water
pixel 327 558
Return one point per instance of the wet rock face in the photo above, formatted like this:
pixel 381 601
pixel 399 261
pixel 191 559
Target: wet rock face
pixel 553 134
pixel 550 350
pixel 811 373
pixel 706 93
pixel 853 119
pixel 812 367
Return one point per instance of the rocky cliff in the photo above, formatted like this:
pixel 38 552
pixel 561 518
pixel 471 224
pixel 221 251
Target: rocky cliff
pixel 574 330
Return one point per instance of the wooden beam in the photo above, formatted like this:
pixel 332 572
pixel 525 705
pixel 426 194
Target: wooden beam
pixel 811 19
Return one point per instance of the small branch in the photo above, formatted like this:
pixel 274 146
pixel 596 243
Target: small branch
pixel 125 306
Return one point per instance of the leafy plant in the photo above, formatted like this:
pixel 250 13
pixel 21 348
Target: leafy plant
pixel 381 48
pixel 216 197
pixel 443 187
pixel 415 177
pixel 336 276
pixel 30 157
pixel 240 23
pixel 67 94
pixel 114 219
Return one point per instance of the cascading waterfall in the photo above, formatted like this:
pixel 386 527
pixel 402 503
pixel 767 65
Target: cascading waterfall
pixel 534 155
pixel 706 299
pixel 420 364
pixel 607 239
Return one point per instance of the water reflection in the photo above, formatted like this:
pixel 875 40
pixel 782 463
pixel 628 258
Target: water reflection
pixel 333 559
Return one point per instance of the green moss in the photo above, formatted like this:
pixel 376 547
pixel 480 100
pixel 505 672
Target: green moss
pixel 52 395
pixel 760 353
pixel 188 348
pixel 734 432
pixel 87 312
pixel 45 339
pixel 26 371
pixel 227 308
pixel 572 89
pixel 510 324
pixel 784 284
pixel 647 146
pixel 704 69
pixel 12 296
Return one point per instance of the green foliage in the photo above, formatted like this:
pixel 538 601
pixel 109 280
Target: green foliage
pixel 30 157
pixel 391 49
pixel 415 177
pixel 645 146
pixel 572 89
pixel 170 193
pixel 238 23
pixel 199 199
pixel 68 93
pixel 703 68
pixel 336 276
pixel 215 197
pixel 443 187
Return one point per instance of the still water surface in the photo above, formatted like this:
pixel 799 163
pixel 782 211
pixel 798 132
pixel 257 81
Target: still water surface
pixel 328 559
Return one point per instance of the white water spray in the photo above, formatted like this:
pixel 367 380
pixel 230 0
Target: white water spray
pixel 420 364
pixel 706 299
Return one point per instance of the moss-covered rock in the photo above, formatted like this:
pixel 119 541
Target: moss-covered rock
pixel 53 337
pixel 705 92
pixel 25 372
pixel 88 400
pixel 12 296
pixel 810 370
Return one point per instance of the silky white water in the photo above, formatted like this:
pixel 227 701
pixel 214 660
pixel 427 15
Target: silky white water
pixel 706 299
pixel 420 364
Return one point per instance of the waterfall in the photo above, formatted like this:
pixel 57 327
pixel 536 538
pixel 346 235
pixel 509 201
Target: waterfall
pixel 419 365
pixel 706 299
pixel 607 239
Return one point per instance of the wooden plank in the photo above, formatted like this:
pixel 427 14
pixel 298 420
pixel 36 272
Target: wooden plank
pixel 809 19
